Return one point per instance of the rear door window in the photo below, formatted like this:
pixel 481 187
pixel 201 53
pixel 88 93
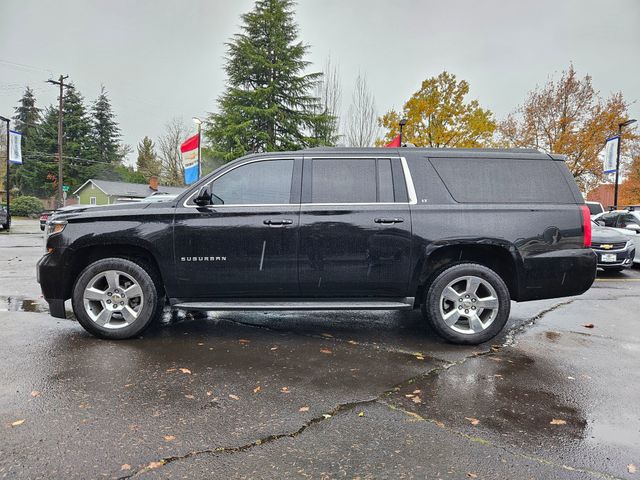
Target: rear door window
pixel 492 180
pixel 352 180
pixel 609 219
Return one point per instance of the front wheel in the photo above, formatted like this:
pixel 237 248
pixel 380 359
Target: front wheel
pixel 115 298
pixel 467 303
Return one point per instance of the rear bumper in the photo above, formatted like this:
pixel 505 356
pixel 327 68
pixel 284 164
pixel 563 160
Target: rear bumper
pixel 560 273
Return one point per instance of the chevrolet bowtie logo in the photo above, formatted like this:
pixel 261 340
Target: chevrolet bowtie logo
pixel 606 246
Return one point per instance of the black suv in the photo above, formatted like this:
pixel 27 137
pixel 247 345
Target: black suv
pixel 458 233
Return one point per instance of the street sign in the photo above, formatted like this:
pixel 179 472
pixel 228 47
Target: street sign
pixel 65 188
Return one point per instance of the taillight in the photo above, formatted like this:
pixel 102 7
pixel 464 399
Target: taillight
pixel 586 225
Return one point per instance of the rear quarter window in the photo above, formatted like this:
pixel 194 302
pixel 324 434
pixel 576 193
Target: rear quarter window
pixel 487 180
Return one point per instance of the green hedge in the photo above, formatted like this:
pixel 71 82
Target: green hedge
pixel 25 206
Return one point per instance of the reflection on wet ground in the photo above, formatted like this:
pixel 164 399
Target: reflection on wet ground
pixel 20 304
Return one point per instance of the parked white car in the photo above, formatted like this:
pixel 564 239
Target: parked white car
pixel 595 209
pixel 626 222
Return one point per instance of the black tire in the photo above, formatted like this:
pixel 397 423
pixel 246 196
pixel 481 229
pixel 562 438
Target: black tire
pixel 149 310
pixel 432 304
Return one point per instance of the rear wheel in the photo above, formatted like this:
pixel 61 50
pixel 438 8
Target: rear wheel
pixel 467 303
pixel 115 298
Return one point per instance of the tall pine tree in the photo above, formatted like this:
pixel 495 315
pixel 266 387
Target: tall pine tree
pixel 148 163
pixel 105 133
pixel 27 121
pixel 268 104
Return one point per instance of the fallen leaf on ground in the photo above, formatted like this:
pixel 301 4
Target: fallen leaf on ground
pixel 326 350
pixel 588 325
pixel 473 421
pixel 234 397
pixel 243 341
pixel 257 389
pixel 128 385
pixel 200 344
pixel 327 335
pixel 439 424
pixel 472 475
pixel 169 370
pixel 409 395
pixel 209 393
pixel 352 342
pixel 571 378
pixel 326 415
pixel 190 397
pixel 304 409
pixel 419 357
pixel 153 465
pixel 185 370
pixel 361 414
pixel 126 466
pixel 416 399
pixel 273 348
pixel 631 468
pixel 557 421
pixel 35 393
pixel 17 422
pixel 417 391
pixel 284 389
pixel 169 438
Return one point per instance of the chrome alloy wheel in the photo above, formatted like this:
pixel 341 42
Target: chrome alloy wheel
pixel 469 305
pixel 113 299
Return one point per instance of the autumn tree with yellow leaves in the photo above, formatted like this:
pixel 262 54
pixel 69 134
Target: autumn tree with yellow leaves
pixel 567 116
pixel 439 115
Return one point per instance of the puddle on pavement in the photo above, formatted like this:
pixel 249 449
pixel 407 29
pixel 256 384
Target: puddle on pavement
pixel 511 394
pixel 21 304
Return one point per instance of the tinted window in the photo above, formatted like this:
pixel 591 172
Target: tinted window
pixel 265 182
pixel 483 180
pixel 595 208
pixel 343 181
pixel 609 219
pixel 385 181
pixel 627 220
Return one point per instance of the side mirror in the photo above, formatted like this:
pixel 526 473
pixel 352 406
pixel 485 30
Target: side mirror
pixel 204 196
pixel 600 222
pixel 633 227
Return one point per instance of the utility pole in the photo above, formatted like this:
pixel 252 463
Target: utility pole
pixel 62 86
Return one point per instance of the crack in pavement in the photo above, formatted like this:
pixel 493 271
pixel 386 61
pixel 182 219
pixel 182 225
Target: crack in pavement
pixel 343 407
pixel 379 399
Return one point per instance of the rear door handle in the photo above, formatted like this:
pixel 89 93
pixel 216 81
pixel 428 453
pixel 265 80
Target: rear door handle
pixel 278 223
pixel 389 220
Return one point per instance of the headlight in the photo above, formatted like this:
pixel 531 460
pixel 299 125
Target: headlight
pixel 55 226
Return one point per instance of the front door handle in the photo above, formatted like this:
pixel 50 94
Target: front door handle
pixel 389 220
pixel 278 223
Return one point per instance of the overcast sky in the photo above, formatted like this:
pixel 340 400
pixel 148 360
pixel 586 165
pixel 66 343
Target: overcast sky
pixel 160 59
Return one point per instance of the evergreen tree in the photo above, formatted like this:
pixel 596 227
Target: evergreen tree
pixel 27 121
pixel 268 104
pixel 78 152
pixel 39 173
pixel 105 133
pixel 148 163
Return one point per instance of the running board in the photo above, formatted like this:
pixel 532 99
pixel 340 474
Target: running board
pixel 302 304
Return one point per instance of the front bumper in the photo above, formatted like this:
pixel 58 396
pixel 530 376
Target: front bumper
pixel 623 257
pixel 51 275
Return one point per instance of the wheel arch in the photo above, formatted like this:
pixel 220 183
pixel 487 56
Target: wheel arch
pixel 498 255
pixel 86 255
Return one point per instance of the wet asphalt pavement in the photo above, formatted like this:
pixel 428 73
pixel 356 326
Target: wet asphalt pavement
pixel 319 395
